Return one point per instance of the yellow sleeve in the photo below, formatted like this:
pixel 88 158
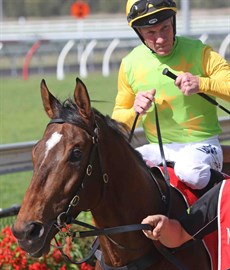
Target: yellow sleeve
pixel 217 82
pixel 123 110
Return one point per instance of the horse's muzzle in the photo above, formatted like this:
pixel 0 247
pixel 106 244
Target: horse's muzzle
pixel 31 231
pixel 32 238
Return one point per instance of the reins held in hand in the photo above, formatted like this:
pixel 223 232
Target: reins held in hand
pixel 209 99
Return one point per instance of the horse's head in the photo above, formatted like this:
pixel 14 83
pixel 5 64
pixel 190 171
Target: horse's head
pixel 61 170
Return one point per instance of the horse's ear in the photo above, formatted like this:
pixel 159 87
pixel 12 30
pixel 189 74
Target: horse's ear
pixel 82 100
pixel 49 101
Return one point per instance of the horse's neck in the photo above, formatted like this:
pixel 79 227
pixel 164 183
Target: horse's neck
pixel 129 196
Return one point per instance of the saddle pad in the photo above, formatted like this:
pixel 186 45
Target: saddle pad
pixel 211 240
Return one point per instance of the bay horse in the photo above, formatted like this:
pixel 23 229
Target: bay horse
pixel 86 156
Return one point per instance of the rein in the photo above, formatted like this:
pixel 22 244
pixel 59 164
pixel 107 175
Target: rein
pixel 208 98
pixel 65 218
pixel 164 163
pixel 162 249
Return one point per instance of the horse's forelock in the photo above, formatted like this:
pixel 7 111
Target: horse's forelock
pixel 68 111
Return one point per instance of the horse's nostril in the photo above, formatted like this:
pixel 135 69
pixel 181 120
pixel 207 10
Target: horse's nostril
pixel 17 233
pixel 34 230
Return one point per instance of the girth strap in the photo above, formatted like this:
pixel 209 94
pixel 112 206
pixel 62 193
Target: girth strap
pixel 139 264
pixel 169 256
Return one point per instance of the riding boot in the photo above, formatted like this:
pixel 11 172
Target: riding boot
pixel 215 178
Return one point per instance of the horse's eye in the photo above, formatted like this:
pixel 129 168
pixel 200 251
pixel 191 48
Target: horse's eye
pixel 75 155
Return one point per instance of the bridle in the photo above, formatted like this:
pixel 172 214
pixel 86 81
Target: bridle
pixel 94 150
pixel 65 218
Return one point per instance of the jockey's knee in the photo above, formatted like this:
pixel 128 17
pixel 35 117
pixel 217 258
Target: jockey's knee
pixel 150 164
pixel 150 154
pixel 195 176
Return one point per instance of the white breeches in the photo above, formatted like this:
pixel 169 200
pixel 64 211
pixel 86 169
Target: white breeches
pixel 193 161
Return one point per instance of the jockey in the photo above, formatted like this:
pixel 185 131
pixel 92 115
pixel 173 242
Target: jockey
pixel 189 124
pixel 202 218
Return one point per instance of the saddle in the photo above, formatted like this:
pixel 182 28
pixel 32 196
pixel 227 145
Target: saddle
pixel 189 196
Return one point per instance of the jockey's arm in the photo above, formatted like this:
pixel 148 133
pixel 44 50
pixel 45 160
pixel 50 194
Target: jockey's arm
pixel 127 103
pixel 215 83
pixel 123 110
pixel 168 231
pixel 217 80
pixel 199 220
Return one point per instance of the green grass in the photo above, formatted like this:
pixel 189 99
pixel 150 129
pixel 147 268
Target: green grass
pixel 22 117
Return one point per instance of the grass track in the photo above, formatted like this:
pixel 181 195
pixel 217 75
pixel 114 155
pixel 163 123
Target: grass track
pixel 22 117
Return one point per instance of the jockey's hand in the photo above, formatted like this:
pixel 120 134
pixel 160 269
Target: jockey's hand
pixel 143 101
pixel 168 231
pixel 158 223
pixel 187 83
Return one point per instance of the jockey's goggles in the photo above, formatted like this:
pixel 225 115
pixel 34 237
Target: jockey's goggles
pixel 143 8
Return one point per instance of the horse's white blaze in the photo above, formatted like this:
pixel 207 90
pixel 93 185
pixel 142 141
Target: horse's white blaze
pixel 52 141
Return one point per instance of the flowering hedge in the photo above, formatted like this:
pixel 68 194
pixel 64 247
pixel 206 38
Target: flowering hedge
pixel 14 258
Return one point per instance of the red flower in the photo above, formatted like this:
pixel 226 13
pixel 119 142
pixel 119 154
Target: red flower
pixel 86 266
pixel 12 257
pixel 37 266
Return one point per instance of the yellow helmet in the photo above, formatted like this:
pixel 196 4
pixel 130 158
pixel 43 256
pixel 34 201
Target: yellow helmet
pixel 142 13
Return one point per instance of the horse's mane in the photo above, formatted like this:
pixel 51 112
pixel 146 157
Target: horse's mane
pixel 121 130
pixel 68 111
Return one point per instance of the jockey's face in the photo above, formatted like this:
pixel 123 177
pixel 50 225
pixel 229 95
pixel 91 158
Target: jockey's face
pixel 159 37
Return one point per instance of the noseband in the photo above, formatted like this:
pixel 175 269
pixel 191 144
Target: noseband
pixel 65 218
pixel 61 219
